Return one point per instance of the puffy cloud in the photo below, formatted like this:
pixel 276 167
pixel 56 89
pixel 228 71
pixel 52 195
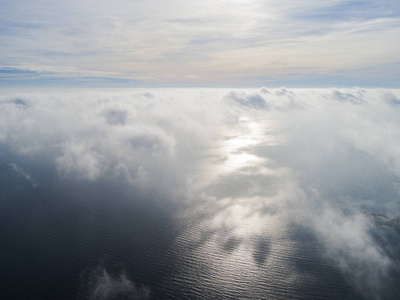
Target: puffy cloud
pixel 90 135
pixel 252 100
pixel 115 116
pixel 278 99
pixel 391 99
pixel 354 98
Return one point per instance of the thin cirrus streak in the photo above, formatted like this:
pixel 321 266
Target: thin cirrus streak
pixel 214 43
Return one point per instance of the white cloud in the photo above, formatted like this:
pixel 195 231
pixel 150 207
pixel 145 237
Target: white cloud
pixel 222 42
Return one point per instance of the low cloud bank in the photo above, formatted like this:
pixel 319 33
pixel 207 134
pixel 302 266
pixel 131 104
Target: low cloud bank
pixel 324 159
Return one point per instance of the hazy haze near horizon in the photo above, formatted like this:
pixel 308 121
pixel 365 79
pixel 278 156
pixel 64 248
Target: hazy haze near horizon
pixel 214 43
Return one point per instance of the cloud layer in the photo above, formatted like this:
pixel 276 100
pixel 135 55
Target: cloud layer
pixel 243 166
pixel 212 43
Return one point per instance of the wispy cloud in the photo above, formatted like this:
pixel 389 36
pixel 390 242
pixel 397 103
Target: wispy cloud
pixel 209 43
pixel 102 286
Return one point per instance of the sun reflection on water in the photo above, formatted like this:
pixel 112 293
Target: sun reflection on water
pixel 234 149
pixel 234 170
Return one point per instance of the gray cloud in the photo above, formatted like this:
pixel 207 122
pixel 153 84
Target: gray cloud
pixel 391 99
pixel 243 99
pixel 115 116
pixel 351 97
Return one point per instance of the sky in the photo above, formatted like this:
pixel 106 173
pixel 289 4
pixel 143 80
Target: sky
pixel 210 43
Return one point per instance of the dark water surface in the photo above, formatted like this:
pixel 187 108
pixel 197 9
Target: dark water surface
pixel 55 239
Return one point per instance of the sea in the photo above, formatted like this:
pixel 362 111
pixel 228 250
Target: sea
pixel 199 194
